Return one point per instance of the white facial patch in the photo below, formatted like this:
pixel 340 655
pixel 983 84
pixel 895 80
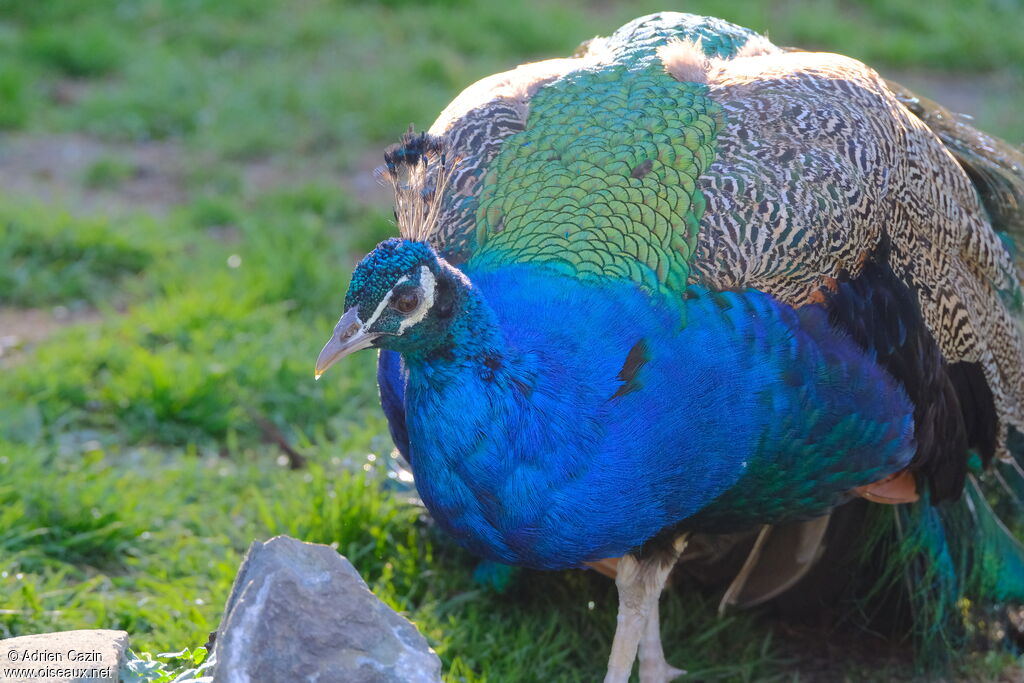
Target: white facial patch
pixel 383 304
pixel 428 285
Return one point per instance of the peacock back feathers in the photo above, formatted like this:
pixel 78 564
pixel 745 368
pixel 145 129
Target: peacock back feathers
pixel 685 150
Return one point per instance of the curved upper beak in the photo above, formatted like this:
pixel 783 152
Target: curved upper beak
pixel 349 336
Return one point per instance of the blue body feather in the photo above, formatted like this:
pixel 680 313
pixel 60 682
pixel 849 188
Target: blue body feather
pixel 540 459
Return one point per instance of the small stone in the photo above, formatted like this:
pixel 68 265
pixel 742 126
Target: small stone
pixel 301 612
pixel 91 656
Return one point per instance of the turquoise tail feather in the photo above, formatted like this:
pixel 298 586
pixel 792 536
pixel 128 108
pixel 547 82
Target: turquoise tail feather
pixel 999 556
pixel 944 574
pixel 495 576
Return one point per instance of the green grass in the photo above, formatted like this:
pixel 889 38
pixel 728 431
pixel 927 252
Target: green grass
pixel 86 541
pixel 16 96
pixel 49 257
pixel 76 49
pixel 107 173
pixel 242 80
pixel 135 461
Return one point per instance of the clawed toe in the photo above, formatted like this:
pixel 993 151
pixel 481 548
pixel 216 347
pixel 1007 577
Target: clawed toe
pixel 659 674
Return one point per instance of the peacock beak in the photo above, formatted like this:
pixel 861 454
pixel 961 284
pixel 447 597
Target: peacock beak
pixel 349 336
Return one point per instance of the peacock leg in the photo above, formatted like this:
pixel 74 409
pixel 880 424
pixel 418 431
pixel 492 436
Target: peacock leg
pixel 653 667
pixel 640 583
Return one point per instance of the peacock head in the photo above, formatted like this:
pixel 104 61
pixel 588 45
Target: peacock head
pixel 397 300
pixel 403 295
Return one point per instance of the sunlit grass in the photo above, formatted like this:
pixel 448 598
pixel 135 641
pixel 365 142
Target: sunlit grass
pixel 87 541
pixel 49 257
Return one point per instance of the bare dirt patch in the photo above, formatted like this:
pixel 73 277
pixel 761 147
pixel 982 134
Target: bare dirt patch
pixel 358 178
pixel 21 328
pixel 55 168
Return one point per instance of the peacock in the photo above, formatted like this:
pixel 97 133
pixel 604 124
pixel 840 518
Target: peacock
pixel 687 290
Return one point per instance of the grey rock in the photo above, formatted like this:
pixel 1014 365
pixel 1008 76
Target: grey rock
pixel 301 612
pixel 94 655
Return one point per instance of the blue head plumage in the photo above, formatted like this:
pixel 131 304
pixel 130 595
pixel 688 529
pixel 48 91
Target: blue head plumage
pixel 401 298
pixel 390 283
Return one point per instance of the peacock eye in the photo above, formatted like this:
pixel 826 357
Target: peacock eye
pixel 406 302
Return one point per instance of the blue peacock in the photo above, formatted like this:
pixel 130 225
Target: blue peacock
pixel 688 285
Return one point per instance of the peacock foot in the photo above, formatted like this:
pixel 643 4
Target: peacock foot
pixel 653 667
pixel 640 583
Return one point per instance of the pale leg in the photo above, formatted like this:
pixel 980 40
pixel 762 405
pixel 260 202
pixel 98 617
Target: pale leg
pixel 653 667
pixel 640 584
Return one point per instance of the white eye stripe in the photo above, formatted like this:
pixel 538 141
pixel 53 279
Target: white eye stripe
pixel 427 289
pixel 382 305
pixel 428 285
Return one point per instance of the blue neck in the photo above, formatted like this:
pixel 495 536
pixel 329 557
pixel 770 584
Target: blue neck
pixel 472 344
pixel 572 421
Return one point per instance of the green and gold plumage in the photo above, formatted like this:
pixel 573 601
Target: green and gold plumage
pixel 603 185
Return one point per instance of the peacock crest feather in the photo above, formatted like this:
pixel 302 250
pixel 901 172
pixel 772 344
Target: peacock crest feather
pixel 418 170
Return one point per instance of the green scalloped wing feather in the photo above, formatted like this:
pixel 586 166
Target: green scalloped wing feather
pixel 603 180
